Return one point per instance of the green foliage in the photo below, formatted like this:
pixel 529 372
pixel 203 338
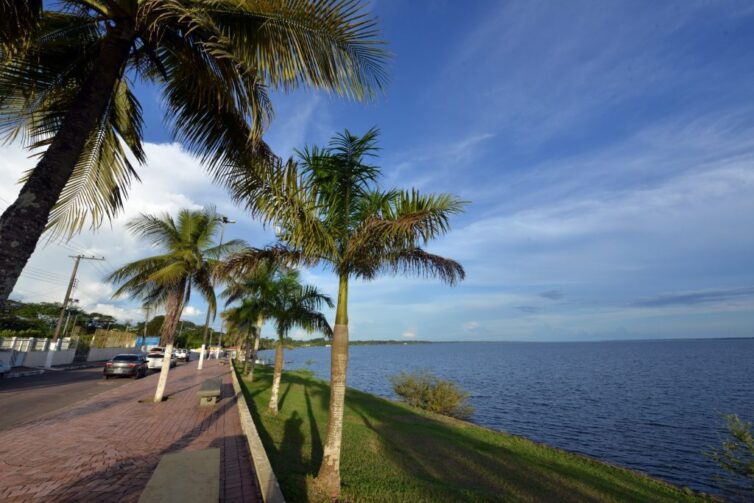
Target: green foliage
pixel 214 62
pixel 188 257
pixel 28 332
pixel 429 392
pixel 330 209
pixel 736 456
pixel 392 452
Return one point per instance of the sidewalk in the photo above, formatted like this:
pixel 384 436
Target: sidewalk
pixel 106 448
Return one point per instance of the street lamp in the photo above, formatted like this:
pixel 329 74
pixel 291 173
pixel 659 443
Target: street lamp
pixel 223 220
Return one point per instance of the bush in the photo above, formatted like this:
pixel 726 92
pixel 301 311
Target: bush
pixel 736 456
pixel 429 392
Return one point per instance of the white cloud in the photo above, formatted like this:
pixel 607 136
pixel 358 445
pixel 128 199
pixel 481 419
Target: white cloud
pixel 471 326
pixel 171 179
pixel 409 334
pixel 191 311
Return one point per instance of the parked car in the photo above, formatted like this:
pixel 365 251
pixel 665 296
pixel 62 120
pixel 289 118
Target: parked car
pixel 183 354
pixel 4 369
pixel 129 365
pixel 154 360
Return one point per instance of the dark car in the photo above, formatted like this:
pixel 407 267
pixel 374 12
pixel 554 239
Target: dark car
pixel 126 365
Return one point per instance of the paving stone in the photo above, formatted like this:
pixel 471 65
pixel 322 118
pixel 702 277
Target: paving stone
pixel 106 448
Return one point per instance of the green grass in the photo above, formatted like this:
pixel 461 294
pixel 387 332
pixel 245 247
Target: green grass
pixel 392 452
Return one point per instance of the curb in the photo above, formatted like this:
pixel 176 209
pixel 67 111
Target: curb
pixel 26 373
pixel 268 483
pixel 13 375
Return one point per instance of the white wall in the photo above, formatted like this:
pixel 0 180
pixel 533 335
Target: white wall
pixel 64 357
pixel 100 354
pixel 5 357
pixel 39 358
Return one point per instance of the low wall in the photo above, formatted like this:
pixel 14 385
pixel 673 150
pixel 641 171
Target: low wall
pixel 39 358
pixel 266 480
pixel 5 357
pixel 100 354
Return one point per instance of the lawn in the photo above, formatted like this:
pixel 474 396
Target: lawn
pixel 393 452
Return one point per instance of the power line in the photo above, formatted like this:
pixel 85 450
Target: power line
pixel 43 280
pixel 71 285
pixel 42 272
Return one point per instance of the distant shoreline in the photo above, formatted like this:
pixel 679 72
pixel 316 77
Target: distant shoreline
pixel 378 342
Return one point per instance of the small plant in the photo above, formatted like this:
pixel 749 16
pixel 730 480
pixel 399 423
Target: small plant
pixel 426 391
pixel 736 456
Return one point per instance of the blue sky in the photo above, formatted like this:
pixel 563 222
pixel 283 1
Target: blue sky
pixel 606 149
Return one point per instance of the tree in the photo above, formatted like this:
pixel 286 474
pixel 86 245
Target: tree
pixel 243 319
pixel 259 283
pixel 736 457
pixel 292 305
pixel 168 278
pixel 65 74
pixel 333 213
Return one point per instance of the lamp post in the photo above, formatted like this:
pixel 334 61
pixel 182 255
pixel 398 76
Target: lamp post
pixel 223 220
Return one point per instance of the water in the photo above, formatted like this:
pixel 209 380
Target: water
pixel 653 406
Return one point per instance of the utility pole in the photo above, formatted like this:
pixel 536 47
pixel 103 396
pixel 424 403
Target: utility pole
pixel 68 318
pixel 146 322
pixel 68 291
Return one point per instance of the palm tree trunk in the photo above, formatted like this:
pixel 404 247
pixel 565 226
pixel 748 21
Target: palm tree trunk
pixel 173 308
pixel 255 351
pixel 273 407
pixel 23 223
pixel 247 351
pixel 328 478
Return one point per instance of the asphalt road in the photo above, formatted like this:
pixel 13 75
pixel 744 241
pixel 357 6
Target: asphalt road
pixel 26 398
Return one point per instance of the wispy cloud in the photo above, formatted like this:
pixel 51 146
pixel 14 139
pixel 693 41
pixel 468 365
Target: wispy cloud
pixel 699 297
pixel 552 294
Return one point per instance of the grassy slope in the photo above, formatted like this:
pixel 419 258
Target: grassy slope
pixel 392 452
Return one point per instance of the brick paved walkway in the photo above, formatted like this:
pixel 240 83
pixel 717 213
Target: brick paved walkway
pixel 106 448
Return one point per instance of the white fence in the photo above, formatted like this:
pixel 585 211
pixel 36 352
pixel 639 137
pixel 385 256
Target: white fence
pixel 33 352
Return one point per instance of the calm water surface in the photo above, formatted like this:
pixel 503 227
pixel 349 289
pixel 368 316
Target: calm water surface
pixel 653 406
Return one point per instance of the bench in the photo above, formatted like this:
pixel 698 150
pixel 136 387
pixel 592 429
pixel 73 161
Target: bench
pixel 185 477
pixel 209 391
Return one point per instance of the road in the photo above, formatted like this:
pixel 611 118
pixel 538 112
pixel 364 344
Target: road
pixel 26 398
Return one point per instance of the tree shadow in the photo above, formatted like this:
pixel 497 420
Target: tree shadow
pixel 291 452
pixel 317 445
pixel 446 456
pixel 283 397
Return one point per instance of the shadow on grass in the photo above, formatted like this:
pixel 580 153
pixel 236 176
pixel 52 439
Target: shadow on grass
pixel 281 402
pixel 317 449
pixel 455 457
pixel 422 457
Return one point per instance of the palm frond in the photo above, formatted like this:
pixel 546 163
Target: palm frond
pixel 19 21
pixel 420 263
pixel 327 44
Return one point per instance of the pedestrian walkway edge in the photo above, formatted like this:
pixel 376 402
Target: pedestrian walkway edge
pixel 268 483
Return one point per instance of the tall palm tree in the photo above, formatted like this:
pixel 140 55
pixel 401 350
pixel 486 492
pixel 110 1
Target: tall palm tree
pixel 65 87
pixel 188 258
pixel 333 213
pixel 292 304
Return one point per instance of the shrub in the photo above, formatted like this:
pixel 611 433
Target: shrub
pixel 736 456
pixel 429 392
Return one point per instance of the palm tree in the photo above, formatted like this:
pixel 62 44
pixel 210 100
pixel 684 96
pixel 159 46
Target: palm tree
pixel 291 305
pixel 65 74
pixel 243 319
pixel 259 283
pixel 168 278
pixel 333 213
